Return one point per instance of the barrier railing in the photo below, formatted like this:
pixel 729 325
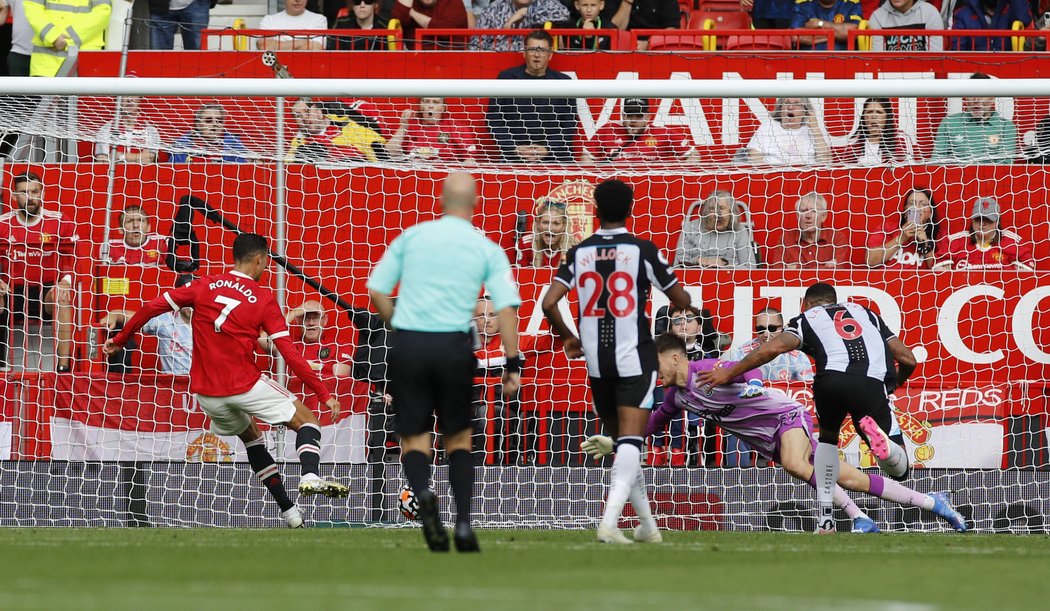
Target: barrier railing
pixel 248 39
pixel 856 38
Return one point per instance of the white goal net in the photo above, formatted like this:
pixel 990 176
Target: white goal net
pixel 929 208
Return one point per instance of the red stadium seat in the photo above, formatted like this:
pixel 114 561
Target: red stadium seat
pixel 725 6
pixel 676 42
pixel 757 43
pixel 723 20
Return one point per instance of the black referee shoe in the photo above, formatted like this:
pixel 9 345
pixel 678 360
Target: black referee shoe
pixel 433 530
pixel 465 539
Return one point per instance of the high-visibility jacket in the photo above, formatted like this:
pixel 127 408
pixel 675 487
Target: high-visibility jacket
pixel 84 22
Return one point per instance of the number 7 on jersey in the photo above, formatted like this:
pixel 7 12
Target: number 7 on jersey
pixel 229 304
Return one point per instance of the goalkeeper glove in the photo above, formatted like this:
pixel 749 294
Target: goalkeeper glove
pixel 753 389
pixel 598 446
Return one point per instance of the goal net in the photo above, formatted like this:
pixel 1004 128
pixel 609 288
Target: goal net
pixel 728 185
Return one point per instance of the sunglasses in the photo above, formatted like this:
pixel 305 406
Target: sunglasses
pixel 543 50
pixel 770 328
pixel 681 320
pixel 368 2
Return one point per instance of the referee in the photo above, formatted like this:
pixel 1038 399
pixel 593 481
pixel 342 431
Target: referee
pixel 441 266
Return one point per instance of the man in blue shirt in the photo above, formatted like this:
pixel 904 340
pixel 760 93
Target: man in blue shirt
pixel 838 15
pixel 440 267
pixel 988 15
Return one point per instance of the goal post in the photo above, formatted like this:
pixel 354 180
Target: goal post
pixel 123 443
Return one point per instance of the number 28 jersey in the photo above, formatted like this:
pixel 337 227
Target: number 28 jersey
pixel 848 338
pixel 613 273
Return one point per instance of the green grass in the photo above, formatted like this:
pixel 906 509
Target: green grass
pixel 204 569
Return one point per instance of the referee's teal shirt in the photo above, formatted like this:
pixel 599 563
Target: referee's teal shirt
pixel 441 266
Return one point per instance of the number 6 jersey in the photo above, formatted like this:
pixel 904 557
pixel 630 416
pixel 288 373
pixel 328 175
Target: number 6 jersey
pixel 613 273
pixel 229 310
pixel 848 338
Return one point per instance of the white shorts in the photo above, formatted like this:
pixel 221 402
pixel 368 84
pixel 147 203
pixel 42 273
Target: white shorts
pixel 232 415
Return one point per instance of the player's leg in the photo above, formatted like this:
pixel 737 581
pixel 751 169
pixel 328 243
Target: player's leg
pixel 603 393
pixel 634 398
pixel 887 489
pixel 308 446
pixel 229 420
pixel 872 416
pixel 829 394
pixel 794 452
pixel 456 420
pixel 265 468
pixel 59 305
pixel 409 362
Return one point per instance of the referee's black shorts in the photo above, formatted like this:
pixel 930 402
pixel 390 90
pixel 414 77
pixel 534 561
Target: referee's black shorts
pixel 431 373
pixel 837 395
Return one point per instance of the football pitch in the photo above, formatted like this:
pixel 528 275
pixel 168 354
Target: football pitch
pixel 357 568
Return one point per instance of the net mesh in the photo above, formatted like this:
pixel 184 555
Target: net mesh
pixel 122 442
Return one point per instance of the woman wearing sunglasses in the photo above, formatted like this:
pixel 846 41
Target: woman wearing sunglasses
pixel 362 15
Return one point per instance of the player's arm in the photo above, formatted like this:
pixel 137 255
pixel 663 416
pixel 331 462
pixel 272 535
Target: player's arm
pixel 785 342
pixel 175 299
pixel 554 294
pixel 906 362
pixel 499 281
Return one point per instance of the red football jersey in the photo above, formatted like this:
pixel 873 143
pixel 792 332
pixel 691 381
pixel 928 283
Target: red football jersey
pixel 1007 253
pixel 229 310
pixel 446 141
pixel 325 354
pixel 36 254
pixel 906 257
pixel 151 252
pixel 613 143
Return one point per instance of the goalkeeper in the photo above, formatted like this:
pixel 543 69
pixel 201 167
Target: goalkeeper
pixel 774 425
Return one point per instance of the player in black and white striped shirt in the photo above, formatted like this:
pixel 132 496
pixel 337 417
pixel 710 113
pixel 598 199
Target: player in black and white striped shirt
pixel 613 273
pixel 859 361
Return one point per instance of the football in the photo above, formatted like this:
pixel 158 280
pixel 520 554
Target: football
pixel 407 502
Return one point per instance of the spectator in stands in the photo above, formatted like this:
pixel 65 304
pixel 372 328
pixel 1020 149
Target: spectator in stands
pixel 586 15
pixel 613 13
pixel 416 15
pixel 428 133
pixel 811 244
pixel 877 141
pixel 978 134
pixel 18 58
pixel 906 14
pixel 533 130
pixel 517 14
pixel 1042 24
pixel 135 140
pixel 60 25
pixel 789 366
pixel 188 16
pixel 293 18
pixel 793 136
pixel 137 245
pixel 716 238
pixel 308 323
pixel 988 15
pixel 335 132
pixel 908 241
pixel 362 16
pixel 1040 152
pixel 986 245
pixel 838 15
pixel 37 248
pixel 551 238
pixel 653 15
pixel 770 14
pixel 209 140
pixel 173 332
pixel 637 140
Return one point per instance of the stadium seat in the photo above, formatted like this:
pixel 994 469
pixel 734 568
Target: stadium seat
pixel 677 42
pixel 725 6
pixel 757 43
pixel 721 20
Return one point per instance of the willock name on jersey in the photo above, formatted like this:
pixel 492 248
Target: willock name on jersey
pixel 613 273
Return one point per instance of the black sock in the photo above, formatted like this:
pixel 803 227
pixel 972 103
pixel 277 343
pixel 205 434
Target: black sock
pixel 266 470
pixel 308 446
pixel 461 476
pixel 416 466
